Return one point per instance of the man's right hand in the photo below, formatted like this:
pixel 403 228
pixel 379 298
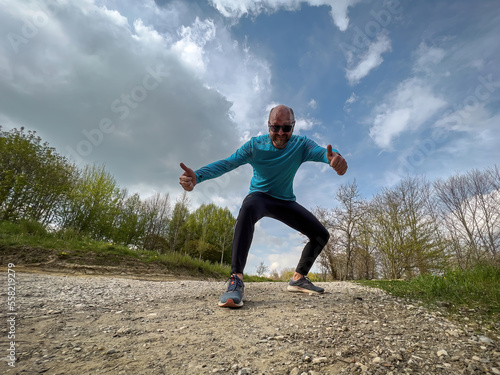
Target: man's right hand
pixel 188 178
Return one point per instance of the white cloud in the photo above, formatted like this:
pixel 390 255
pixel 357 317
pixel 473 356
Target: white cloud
pixel 193 40
pixel 303 123
pixel 427 57
pixel 352 99
pixel 313 104
pixel 236 9
pixel 147 34
pixel 405 109
pixel 168 87
pixel 370 60
pixel 468 119
pixel 339 10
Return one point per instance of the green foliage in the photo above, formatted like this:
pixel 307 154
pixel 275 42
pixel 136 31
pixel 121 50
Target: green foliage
pixel 182 262
pixel 406 233
pixel 93 203
pixel 156 217
pixel 256 279
pixel 34 179
pixel 23 227
pixel 176 235
pixel 130 223
pixel 286 274
pixel 39 186
pixel 211 231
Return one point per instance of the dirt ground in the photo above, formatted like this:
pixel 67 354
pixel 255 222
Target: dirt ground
pixel 67 324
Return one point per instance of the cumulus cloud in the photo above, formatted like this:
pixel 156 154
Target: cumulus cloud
pixel 190 47
pixel 236 9
pixel 103 85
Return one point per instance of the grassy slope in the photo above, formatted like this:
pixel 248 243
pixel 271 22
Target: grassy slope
pixel 28 244
pixel 466 295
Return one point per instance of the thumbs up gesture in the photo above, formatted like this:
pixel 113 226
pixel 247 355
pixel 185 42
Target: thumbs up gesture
pixel 188 178
pixel 337 162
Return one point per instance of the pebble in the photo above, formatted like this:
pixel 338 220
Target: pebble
pixel 442 353
pixel 485 340
pixel 319 360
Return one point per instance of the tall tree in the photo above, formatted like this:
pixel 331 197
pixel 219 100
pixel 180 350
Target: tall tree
pixel 346 221
pixel 175 229
pixel 406 233
pixel 34 179
pixel 130 223
pixel 262 269
pixel 210 225
pixel 365 246
pixel 470 209
pixel 94 203
pixel 157 212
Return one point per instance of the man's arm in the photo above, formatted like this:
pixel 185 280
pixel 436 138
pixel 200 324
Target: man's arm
pixel 190 178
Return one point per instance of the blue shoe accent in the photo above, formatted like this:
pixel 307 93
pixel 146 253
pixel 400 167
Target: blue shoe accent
pixel 233 297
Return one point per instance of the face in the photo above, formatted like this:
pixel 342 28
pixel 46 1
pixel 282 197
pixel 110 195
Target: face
pixel 281 116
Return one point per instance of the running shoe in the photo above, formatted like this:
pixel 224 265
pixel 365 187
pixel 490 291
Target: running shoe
pixel 233 297
pixel 303 285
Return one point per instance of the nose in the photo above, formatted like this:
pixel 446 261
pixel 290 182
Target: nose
pixel 281 132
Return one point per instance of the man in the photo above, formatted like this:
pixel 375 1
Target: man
pixel 275 158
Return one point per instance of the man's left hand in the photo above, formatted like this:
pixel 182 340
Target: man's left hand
pixel 337 162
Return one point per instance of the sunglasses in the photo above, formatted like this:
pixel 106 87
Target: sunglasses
pixel 276 128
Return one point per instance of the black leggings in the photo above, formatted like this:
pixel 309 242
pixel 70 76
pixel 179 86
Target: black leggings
pixel 259 205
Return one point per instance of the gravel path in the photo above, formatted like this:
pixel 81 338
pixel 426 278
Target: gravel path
pixel 84 325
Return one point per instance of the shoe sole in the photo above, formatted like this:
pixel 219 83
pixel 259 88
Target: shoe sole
pixel 298 289
pixel 230 303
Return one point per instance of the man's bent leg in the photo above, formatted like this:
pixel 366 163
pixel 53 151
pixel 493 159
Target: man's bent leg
pixel 297 217
pixel 300 219
pixel 252 210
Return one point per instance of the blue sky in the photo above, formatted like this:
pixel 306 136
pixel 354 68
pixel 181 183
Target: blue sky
pixel 398 87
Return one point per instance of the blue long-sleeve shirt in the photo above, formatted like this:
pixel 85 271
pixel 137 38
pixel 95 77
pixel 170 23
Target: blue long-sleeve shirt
pixel 273 169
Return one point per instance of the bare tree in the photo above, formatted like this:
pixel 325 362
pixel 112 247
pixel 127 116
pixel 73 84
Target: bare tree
pixel 469 207
pixel 365 266
pixel 158 213
pixel 406 232
pixel 328 258
pixel 262 269
pixel 346 221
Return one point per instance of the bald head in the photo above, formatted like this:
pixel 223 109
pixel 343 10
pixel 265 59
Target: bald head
pixel 282 114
